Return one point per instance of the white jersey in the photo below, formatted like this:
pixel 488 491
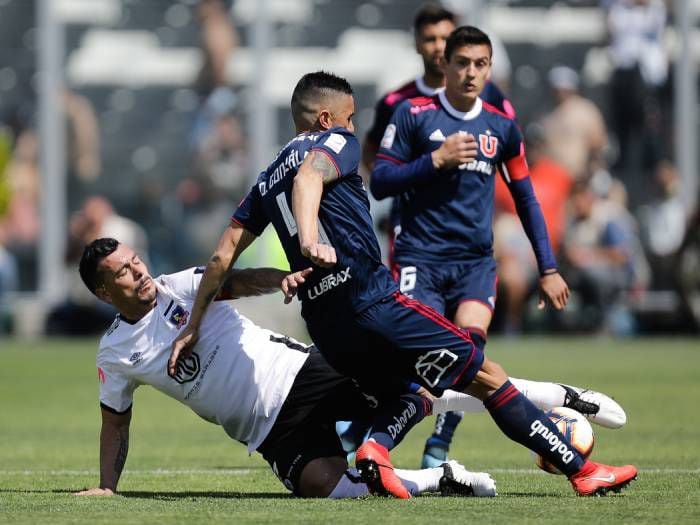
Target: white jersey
pixel 238 376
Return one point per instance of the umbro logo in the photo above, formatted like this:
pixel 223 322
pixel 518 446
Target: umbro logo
pixel 437 136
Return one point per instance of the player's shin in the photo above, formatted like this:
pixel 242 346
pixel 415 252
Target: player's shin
pixel 520 420
pixel 396 419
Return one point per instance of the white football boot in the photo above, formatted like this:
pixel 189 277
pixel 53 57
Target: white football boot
pixel 458 481
pixel 598 408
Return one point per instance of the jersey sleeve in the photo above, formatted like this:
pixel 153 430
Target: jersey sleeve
pixel 116 390
pixel 342 148
pixel 397 143
pixel 513 159
pixel 382 116
pixel 184 284
pixel 250 213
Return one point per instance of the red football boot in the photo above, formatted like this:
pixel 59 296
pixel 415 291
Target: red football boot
pixel 375 469
pixel 596 479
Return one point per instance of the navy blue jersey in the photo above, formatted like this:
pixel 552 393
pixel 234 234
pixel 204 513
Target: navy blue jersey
pixel 448 214
pixel 359 278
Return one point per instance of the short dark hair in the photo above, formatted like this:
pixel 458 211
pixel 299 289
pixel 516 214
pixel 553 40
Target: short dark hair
pixel 466 36
pixel 310 88
pixel 432 14
pixel 93 253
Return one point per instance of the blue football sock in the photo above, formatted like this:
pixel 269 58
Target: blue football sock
pixel 445 426
pixel 523 422
pixel 396 419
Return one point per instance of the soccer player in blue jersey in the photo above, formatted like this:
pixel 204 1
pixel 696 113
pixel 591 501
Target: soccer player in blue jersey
pixel 432 26
pixel 314 197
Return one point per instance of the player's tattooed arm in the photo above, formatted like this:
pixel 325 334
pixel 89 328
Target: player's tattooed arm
pixel 233 241
pixel 114 448
pixel 250 282
pixel 324 166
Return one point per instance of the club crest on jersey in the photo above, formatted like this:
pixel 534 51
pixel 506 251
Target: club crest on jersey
pixel 179 317
pixel 488 144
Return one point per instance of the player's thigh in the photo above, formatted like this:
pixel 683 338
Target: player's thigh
pixel 415 343
pixel 473 314
pixel 421 282
pixel 471 297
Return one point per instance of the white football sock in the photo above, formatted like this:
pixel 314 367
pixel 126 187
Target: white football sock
pixel 347 488
pixel 542 394
pixel 419 481
pixel 415 481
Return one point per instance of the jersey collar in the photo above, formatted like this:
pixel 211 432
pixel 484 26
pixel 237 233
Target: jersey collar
pixel 425 89
pixel 469 115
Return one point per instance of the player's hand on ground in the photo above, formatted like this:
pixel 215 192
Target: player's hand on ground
pixel 182 348
pixel 553 290
pixel 320 254
pixel 458 148
pixel 290 284
pixel 97 491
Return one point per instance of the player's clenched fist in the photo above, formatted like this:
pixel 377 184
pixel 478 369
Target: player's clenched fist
pixel 458 148
pixel 320 254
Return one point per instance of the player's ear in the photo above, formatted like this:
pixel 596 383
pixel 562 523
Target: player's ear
pixel 102 293
pixel 325 119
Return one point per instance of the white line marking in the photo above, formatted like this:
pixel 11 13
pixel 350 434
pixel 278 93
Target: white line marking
pixel 156 472
pixel 243 472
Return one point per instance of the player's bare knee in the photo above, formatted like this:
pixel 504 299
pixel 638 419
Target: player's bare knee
pixel 320 477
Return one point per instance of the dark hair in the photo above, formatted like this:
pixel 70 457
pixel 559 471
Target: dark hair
pixel 93 253
pixel 466 36
pixel 432 14
pixel 312 87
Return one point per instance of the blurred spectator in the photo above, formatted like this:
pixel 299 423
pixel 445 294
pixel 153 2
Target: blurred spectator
pixel 81 313
pixel 220 174
pixel 640 69
pixel 83 137
pixel 664 226
pixel 517 267
pixel 574 130
pixel 601 251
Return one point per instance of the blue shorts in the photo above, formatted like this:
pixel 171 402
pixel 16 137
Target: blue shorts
pixel 397 339
pixel 444 287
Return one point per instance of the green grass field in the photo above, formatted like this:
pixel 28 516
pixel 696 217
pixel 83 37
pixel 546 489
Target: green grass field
pixel 183 470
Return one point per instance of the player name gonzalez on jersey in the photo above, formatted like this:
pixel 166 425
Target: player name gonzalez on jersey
pixel 351 284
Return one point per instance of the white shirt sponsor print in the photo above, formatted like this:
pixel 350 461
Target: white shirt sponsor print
pixel 329 282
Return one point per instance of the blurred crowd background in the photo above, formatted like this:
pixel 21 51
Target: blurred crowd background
pixel 169 109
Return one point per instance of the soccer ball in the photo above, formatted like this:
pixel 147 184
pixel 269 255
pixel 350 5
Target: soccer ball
pixel 575 428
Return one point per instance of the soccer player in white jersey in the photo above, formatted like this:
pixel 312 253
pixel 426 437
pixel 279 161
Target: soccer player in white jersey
pixel 274 394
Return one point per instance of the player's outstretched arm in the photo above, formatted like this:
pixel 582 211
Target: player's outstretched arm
pixel 250 282
pixel 114 446
pixel 316 171
pixel 233 241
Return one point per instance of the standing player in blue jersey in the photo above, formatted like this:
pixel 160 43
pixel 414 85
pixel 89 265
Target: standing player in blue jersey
pixel 432 26
pixel 367 330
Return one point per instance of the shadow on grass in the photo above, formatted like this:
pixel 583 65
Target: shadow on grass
pixel 162 495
